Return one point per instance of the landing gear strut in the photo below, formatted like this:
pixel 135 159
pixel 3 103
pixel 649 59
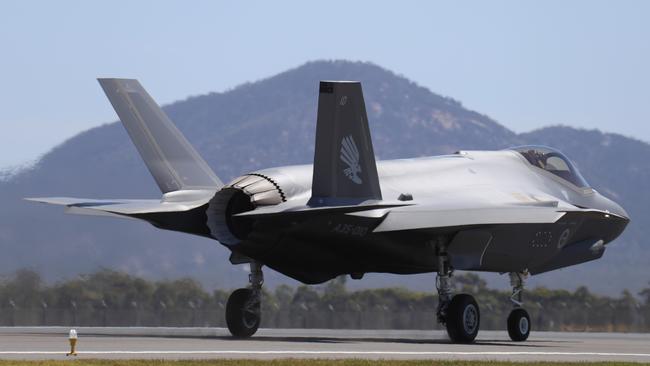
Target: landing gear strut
pixel 243 310
pixel 459 313
pixel 518 320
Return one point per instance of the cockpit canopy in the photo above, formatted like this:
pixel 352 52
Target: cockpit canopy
pixel 553 162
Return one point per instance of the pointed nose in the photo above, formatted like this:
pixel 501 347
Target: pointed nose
pixel 616 209
pixel 620 211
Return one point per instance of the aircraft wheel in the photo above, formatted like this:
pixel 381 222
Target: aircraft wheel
pixel 462 319
pixel 518 325
pixel 243 313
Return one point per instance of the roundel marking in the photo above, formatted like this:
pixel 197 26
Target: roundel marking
pixel 564 238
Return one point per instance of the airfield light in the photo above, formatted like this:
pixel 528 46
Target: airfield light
pixel 72 337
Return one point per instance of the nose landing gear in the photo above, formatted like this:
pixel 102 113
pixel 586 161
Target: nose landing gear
pixel 518 320
pixel 243 310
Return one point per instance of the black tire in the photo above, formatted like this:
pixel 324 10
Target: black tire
pixel 518 325
pixel 463 319
pixel 242 317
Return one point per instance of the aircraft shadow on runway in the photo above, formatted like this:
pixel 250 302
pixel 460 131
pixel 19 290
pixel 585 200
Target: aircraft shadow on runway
pixel 483 342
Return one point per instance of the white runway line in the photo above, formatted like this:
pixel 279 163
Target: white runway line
pixel 362 353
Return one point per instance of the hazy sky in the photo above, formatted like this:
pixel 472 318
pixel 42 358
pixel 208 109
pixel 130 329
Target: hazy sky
pixel 526 64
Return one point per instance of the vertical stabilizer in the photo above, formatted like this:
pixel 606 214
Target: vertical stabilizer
pixel 345 171
pixel 172 161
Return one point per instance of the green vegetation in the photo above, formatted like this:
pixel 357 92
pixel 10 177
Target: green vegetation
pixel 300 362
pixel 109 298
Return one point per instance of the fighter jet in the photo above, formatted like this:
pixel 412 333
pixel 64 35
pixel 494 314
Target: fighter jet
pixel 522 211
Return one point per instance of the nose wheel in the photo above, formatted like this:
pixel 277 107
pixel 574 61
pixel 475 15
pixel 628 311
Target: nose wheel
pixel 518 325
pixel 518 320
pixel 244 307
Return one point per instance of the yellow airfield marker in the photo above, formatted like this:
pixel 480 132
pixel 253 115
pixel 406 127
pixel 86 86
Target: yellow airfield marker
pixel 73 343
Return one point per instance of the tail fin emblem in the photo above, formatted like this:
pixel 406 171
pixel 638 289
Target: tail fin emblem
pixel 350 156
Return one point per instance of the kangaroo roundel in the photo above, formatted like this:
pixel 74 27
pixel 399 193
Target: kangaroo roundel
pixel 350 156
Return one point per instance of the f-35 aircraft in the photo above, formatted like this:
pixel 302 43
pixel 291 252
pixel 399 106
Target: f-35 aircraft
pixel 524 210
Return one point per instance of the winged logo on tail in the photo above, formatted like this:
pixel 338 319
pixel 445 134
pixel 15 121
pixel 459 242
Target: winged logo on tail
pixel 350 156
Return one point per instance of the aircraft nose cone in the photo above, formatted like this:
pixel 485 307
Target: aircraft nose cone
pixel 620 211
pixel 614 208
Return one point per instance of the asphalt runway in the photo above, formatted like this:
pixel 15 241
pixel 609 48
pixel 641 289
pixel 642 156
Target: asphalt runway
pixel 205 343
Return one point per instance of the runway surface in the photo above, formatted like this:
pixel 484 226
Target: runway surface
pixel 184 343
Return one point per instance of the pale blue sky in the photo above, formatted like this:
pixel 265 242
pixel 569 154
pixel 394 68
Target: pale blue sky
pixel 526 64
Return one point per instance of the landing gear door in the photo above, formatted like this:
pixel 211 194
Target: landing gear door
pixel 467 249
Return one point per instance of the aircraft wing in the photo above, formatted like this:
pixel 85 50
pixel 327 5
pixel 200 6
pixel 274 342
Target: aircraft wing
pixel 434 216
pixel 363 209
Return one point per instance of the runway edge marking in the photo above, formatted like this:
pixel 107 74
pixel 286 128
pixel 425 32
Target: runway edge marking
pixel 405 353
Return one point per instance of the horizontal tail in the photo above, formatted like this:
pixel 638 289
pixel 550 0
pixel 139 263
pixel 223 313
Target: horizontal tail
pixel 173 202
pixel 170 158
pixel 182 211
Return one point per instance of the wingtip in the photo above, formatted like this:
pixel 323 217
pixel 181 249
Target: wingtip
pixel 37 199
pixel 105 80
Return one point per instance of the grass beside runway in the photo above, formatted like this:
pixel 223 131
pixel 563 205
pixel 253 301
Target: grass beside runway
pixel 298 362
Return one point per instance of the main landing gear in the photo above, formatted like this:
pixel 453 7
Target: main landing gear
pixel 518 320
pixel 244 310
pixel 459 313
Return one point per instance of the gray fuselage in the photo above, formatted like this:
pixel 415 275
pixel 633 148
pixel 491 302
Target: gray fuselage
pixel 497 211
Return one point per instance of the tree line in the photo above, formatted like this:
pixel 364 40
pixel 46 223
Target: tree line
pixel 111 298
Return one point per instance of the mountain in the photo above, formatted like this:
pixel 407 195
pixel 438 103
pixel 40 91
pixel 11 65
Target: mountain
pixel 272 122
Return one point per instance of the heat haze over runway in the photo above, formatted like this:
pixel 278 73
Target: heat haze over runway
pixel 208 343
